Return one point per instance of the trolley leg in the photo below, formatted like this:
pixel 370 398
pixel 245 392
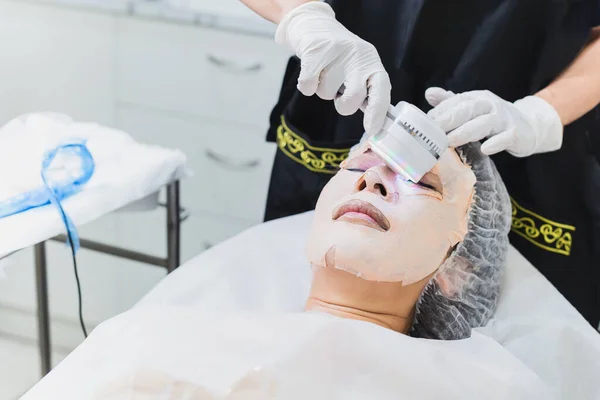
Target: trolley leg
pixel 173 227
pixel 42 307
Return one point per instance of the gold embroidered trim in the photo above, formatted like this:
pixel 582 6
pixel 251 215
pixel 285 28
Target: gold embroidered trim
pixel 317 159
pixel 542 232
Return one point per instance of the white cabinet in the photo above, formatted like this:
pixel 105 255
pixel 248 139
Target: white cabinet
pixel 209 94
pixel 231 162
pixel 201 72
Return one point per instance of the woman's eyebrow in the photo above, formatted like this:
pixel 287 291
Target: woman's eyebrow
pixel 364 156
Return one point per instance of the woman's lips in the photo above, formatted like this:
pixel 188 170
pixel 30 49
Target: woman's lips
pixel 362 213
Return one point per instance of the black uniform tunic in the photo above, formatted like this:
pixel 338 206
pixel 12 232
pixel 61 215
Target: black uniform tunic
pixel 511 47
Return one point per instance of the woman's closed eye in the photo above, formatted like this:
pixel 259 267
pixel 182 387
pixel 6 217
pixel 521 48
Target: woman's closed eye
pixel 432 181
pixel 427 186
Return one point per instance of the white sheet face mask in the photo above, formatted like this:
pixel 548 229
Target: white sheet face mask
pixel 372 223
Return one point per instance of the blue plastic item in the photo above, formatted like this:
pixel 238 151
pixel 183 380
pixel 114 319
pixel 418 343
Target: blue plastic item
pixel 65 169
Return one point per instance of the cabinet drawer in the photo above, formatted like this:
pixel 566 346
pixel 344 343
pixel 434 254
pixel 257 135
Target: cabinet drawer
pixel 199 71
pixel 231 162
pixel 146 232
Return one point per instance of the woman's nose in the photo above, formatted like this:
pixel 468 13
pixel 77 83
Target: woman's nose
pixel 372 182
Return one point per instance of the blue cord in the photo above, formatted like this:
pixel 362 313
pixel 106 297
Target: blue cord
pixel 53 192
pixel 58 192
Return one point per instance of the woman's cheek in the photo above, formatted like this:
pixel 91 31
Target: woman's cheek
pixel 410 212
pixel 334 184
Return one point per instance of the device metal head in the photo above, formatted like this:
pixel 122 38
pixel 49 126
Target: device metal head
pixel 410 142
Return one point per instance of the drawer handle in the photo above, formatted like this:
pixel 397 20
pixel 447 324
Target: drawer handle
pixel 232 66
pixel 230 163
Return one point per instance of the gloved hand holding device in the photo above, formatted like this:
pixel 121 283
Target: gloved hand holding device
pixel 331 57
pixel 528 126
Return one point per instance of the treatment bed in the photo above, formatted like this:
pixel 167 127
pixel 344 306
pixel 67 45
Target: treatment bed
pixel 536 346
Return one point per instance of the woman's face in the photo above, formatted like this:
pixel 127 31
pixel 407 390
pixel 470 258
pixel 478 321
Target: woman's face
pixel 371 222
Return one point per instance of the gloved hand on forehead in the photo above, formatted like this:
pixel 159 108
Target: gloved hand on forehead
pixel 332 56
pixel 525 127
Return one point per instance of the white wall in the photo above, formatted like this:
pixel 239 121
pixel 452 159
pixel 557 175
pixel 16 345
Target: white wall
pixel 45 52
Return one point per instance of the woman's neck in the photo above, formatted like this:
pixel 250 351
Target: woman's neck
pixel 388 304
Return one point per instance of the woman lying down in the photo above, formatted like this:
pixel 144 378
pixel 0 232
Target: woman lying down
pixel 395 264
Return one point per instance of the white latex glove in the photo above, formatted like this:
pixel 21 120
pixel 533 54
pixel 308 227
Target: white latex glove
pixel 525 127
pixel 332 56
